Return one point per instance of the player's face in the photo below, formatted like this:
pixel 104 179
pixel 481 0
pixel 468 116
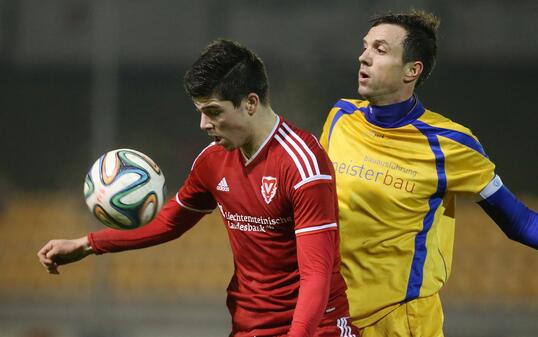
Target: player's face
pixel 225 123
pixel 381 72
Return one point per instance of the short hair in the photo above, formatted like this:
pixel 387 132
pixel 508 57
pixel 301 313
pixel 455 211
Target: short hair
pixel 228 71
pixel 420 43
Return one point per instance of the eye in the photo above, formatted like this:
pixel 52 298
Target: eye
pixel 381 51
pixel 212 112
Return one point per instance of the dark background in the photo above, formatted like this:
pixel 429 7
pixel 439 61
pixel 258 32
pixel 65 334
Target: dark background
pixel 82 77
pixel 79 78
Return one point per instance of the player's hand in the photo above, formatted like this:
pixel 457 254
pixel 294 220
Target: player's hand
pixel 58 252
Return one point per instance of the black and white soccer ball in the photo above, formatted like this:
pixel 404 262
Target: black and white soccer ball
pixel 124 189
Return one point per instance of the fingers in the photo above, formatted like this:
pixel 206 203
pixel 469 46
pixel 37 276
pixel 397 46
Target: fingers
pixel 42 254
pixel 51 254
pixel 46 255
pixel 60 252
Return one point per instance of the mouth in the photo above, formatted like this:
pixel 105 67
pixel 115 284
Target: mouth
pixel 363 75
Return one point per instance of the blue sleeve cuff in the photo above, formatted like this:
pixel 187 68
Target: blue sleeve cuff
pixel 515 219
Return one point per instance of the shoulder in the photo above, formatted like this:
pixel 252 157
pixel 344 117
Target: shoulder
pixel 211 151
pixel 287 129
pixel 350 105
pixel 434 123
pixel 342 107
pixel 439 121
pixel 301 155
pixel 347 106
pixel 298 140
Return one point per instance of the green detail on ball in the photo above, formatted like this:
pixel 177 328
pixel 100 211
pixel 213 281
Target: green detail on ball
pixel 89 187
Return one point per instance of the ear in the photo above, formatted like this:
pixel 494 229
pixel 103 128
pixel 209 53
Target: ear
pixel 252 101
pixel 412 71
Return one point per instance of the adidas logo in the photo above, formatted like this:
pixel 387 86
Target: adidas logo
pixel 223 185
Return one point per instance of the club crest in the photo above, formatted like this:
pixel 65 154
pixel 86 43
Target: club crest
pixel 268 188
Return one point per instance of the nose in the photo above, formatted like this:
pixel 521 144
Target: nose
pixel 205 123
pixel 364 57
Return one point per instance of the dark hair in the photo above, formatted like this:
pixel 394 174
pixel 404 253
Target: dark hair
pixel 420 43
pixel 228 71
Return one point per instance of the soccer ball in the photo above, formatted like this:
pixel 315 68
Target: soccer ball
pixel 124 189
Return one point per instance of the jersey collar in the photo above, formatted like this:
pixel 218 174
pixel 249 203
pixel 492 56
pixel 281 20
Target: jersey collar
pixel 263 145
pixel 394 115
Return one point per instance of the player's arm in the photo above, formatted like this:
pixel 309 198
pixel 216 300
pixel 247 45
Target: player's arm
pixel 515 219
pixel 175 218
pixel 315 254
pixel 58 252
pixel 171 222
pixel 316 231
pixel 470 169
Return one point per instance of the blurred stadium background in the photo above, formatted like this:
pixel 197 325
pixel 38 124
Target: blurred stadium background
pixel 80 77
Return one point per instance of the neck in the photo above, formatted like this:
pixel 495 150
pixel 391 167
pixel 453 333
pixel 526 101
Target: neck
pixel 262 124
pixel 392 97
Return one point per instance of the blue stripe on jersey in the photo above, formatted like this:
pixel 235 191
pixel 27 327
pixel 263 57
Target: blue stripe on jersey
pixel 456 136
pixel 346 108
pixel 417 267
pixel 337 116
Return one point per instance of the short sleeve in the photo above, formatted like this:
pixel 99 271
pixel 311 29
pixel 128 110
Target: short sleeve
pixel 315 204
pixel 309 181
pixel 315 208
pixel 468 169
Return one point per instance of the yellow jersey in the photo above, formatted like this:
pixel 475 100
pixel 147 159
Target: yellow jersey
pixel 396 185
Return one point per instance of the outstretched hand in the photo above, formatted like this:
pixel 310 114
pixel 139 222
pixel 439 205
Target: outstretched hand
pixel 59 252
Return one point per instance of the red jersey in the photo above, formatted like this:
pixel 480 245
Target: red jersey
pixel 280 210
pixel 266 202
